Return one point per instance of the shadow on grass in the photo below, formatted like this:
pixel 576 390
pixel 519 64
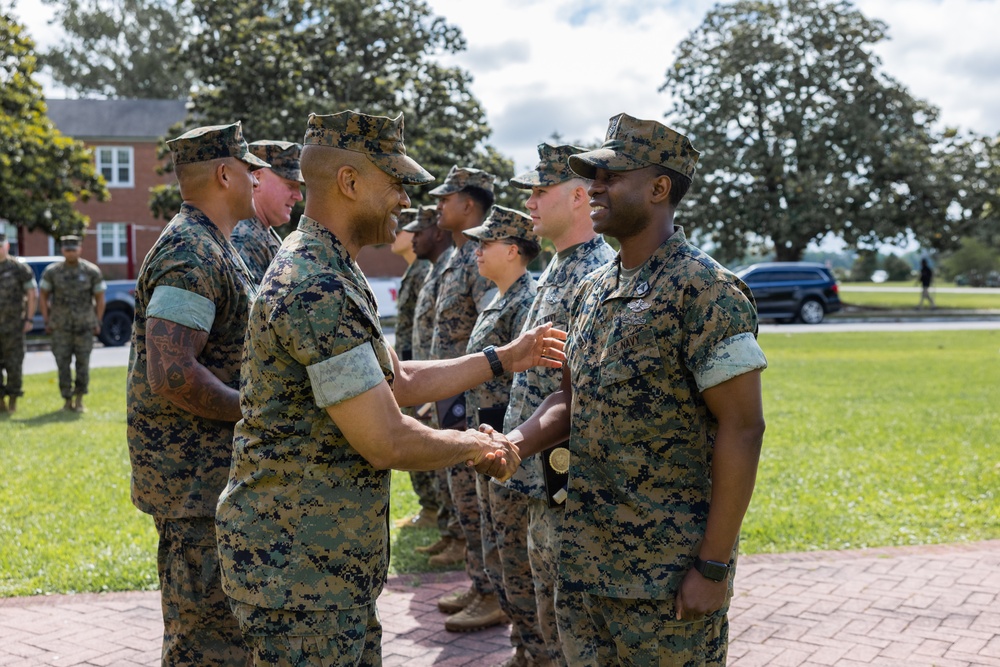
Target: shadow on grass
pixel 55 417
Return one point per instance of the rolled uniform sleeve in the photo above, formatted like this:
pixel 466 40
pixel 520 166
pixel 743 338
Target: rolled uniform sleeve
pixel 181 307
pixel 721 341
pixel 345 376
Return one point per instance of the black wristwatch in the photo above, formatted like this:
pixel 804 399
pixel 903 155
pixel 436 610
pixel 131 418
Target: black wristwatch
pixel 712 570
pixel 494 359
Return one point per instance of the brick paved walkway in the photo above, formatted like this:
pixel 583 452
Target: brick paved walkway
pixel 909 606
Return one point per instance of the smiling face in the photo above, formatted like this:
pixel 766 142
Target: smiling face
pixel 275 197
pixel 384 198
pixel 244 182
pixel 620 201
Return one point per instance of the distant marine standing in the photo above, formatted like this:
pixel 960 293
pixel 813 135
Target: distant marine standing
pixel 18 293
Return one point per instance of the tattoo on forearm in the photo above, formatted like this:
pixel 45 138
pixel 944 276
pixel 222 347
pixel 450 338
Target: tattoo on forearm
pixel 174 370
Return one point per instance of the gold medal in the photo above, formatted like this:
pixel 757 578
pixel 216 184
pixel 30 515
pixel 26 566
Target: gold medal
pixel 559 460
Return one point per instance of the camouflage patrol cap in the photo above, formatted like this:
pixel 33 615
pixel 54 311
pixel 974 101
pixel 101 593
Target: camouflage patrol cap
pixel 3 237
pixel 283 156
pixel 405 217
pixel 460 178
pixel 378 137
pixel 426 218
pixel 70 242
pixel 552 168
pixel 211 143
pixel 503 223
pixel 634 144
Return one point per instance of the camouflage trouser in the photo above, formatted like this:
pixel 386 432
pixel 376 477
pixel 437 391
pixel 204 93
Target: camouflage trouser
pixel 447 518
pixel 286 638
pixel 426 487
pixel 198 626
pixel 544 525
pixel 11 361
pixel 462 486
pixel 66 345
pixel 644 632
pixel 505 554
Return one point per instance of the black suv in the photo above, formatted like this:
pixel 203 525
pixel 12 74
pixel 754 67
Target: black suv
pixel 790 291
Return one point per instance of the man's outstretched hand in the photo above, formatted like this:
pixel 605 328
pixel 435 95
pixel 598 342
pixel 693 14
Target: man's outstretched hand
pixel 541 346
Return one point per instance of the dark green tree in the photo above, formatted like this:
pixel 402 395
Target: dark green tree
pixel 801 132
pixel 42 172
pixel 897 268
pixel 974 262
pixel 272 63
pixel 120 48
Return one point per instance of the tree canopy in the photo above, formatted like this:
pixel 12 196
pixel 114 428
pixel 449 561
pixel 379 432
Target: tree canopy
pixel 42 172
pixel 802 133
pixel 119 48
pixel 271 63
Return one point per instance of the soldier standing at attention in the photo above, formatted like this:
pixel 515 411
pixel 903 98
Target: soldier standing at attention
pixel 302 524
pixel 192 300
pixel 560 212
pixel 17 303
pixel 464 200
pixel 73 317
pixel 433 244
pixel 661 401
pixel 505 245
pixel 279 187
pixel 406 303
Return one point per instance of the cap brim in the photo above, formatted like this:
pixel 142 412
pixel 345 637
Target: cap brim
pixel 444 189
pixel 414 227
pixel 587 164
pixel 480 233
pixel 289 174
pixel 253 160
pixel 527 180
pixel 402 167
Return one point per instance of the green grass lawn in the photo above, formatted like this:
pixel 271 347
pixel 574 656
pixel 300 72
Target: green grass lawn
pixel 872 439
pixel 970 299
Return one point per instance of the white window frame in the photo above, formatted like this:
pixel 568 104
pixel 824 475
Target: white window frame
pixel 114 181
pixel 119 234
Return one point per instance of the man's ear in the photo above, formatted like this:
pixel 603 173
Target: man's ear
pixel 660 189
pixel 222 174
pixel 348 181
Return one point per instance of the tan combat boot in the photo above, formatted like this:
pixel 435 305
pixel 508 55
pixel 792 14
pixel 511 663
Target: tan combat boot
pixel 78 405
pixel 484 612
pixel 457 601
pixel 436 548
pixel 12 404
pixel 3 403
pixel 453 554
pixel 68 405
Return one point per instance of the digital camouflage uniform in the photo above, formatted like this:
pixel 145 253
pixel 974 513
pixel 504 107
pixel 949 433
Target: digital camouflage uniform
pixel 431 484
pixel 303 522
pixel 498 324
pixel 73 319
pixel 180 461
pixel 16 280
pixel 534 553
pixel 406 306
pixel 462 296
pixel 256 242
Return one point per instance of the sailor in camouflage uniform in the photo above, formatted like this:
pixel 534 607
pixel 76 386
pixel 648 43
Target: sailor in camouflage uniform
pixel 18 293
pixel 406 302
pixel 662 403
pixel 464 200
pixel 192 300
pixel 506 244
pixel 433 244
pixel 560 211
pixel 303 522
pixel 279 187
pixel 76 289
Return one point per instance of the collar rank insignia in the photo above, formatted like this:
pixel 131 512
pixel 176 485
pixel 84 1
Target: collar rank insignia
pixel 551 297
pixel 642 288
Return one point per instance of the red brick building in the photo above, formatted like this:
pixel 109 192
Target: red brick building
pixel 123 135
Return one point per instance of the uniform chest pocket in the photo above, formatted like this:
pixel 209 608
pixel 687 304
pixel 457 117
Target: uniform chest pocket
pixel 630 357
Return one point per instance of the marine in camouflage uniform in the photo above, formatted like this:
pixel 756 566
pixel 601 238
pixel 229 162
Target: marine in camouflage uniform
pixel 302 523
pixel 76 289
pixel 529 556
pixel 17 303
pixel 429 242
pixel 664 398
pixel 464 294
pixel 192 301
pixel 501 321
pixel 423 482
pixel 276 194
